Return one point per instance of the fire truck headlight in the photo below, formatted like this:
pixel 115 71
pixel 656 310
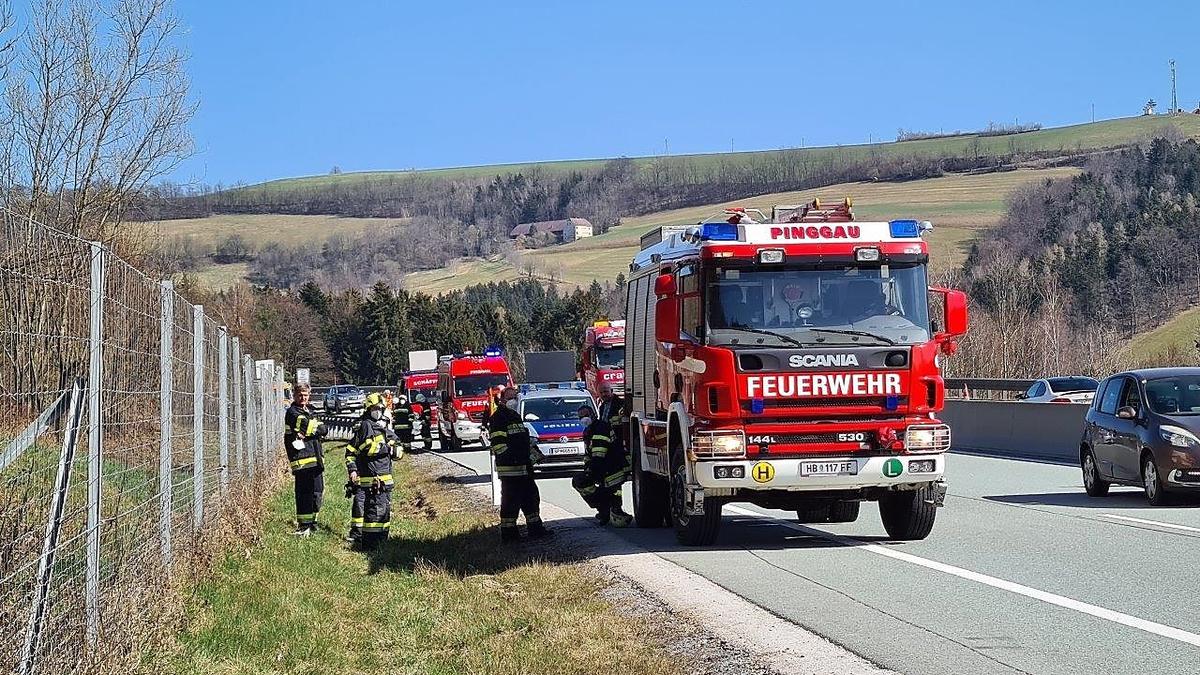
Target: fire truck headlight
pixel 770 255
pixel 718 444
pixel 866 254
pixel 461 415
pixel 927 438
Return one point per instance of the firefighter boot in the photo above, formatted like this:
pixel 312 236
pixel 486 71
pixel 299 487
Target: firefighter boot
pixel 618 518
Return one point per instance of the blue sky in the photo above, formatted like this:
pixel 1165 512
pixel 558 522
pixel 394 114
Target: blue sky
pixel 294 88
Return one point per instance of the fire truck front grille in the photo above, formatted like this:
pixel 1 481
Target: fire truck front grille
pixel 815 439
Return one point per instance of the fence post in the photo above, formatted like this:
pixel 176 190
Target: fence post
pixel 223 405
pixel 166 376
pixel 251 429
pixel 239 425
pixel 95 439
pixel 198 416
pixel 264 416
pixel 62 483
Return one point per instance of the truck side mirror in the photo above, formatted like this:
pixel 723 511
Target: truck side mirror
pixel 956 313
pixel 666 309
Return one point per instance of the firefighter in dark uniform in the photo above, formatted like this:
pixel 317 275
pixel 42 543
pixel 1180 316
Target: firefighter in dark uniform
pixel 402 424
pixel 612 410
pixel 426 421
pixel 605 468
pixel 370 468
pixel 515 457
pixel 302 436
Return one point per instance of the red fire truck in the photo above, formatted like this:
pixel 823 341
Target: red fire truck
pixel 465 381
pixel 417 386
pixel 602 360
pixel 790 362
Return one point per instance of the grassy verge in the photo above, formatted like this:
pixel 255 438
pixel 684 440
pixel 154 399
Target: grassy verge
pixel 440 597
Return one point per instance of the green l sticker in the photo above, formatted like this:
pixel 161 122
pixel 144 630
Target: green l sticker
pixel 893 467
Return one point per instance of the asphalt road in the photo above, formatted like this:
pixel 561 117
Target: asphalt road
pixel 1023 573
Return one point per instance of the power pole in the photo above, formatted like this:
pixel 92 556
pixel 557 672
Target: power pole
pixel 1093 113
pixel 1174 100
pixel 666 147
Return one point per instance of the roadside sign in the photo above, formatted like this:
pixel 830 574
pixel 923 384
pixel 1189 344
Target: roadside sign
pixel 302 376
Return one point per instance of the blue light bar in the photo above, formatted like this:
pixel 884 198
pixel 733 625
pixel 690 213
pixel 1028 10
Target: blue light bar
pixel 905 228
pixel 718 232
pixel 492 351
pixel 527 387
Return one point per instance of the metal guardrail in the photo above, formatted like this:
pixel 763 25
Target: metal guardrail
pixel 987 384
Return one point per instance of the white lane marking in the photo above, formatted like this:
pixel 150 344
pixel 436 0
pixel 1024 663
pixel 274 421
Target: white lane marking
pixel 1013 587
pixel 1155 523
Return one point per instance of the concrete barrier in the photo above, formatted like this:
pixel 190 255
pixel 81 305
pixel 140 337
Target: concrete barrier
pixel 1041 430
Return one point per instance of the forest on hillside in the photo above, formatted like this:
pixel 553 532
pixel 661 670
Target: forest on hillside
pixel 1079 266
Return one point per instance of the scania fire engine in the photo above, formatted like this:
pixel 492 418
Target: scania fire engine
pixel 466 381
pixel 788 361
pixel 602 360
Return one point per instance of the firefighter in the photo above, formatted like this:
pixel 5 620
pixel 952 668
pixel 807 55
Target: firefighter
pixel 302 436
pixel 612 411
pixel 369 461
pixel 600 485
pixel 515 457
pixel 402 424
pixel 426 421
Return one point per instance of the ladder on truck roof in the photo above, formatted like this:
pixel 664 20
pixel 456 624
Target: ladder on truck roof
pixel 814 212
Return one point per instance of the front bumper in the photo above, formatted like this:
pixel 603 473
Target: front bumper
pixel 1184 479
pixel 466 430
pixel 785 474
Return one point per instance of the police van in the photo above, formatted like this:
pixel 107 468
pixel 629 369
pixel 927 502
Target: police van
pixel 551 413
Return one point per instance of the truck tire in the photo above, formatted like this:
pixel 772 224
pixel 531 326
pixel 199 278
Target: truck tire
pixel 909 515
pixel 815 513
pixel 691 530
pixel 844 511
pixel 651 501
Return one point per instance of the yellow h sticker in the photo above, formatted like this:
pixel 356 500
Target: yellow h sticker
pixel 763 472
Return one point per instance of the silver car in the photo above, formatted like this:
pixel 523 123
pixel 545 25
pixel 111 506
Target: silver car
pixel 344 398
pixel 1077 389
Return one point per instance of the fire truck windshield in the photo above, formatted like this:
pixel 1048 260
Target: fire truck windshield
pixel 884 304
pixel 610 357
pixel 471 386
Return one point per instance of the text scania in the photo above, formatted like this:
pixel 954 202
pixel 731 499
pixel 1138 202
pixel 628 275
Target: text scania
pixel 822 360
pixel 817 232
pixel 801 385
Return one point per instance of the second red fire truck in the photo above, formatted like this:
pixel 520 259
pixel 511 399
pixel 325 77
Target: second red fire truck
pixel 789 361
pixel 602 360
pixel 465 382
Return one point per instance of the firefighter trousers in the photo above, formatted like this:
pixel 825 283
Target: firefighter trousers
pixel 604 499
pixel 519 494
pixel 357 505
pixel 377 515
pixel 310 489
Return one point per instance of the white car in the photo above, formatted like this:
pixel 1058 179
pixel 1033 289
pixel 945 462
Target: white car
pixel 1076 389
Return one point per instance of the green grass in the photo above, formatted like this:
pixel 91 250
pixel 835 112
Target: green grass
pixel 1176 336
pixel 1103 134
pixel 261 229
pixel 440 597
pixel 960 207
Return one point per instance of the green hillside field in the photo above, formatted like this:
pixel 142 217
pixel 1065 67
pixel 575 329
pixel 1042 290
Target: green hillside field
pixel 960 207
pixel 1088 136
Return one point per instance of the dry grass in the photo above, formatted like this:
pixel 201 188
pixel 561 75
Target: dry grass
pixel 262 229
pixel 440 597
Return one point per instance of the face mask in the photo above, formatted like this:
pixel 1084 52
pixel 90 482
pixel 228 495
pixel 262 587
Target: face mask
pixel 511 404
pixel 376 414
pixel 587 421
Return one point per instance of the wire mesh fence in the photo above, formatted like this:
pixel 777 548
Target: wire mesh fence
pixel 129 419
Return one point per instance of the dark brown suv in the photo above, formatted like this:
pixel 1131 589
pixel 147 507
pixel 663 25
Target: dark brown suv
pixel 1144 429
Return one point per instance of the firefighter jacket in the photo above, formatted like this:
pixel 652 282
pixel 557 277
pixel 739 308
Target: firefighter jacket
pixel 302 434
pixel 511 446
pixel 369 453
pixel 603 457
pixel 402 417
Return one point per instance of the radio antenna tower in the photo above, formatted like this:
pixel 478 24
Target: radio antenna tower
pixel 1174 100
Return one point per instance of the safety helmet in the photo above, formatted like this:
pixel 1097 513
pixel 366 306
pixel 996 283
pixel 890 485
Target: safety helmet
pixel 420 398
pixel 403 399
pixel 374 400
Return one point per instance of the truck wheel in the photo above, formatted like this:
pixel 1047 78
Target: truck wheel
pixel 844 511
pixel 909 515
pixel 818 513
pixel 650 498
pixel 692 530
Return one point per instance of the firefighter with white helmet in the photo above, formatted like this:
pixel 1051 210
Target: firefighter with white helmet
pixel 369 464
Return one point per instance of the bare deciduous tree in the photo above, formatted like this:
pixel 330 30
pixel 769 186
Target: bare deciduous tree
pixel 96 104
